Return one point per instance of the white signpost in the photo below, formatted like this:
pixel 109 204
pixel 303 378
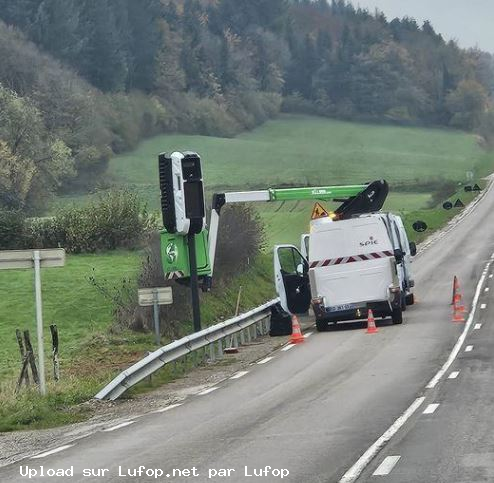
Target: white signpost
pixel 155 296
pixel 37 259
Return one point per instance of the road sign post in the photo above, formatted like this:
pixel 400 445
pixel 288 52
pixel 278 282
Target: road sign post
pixel 39 321
pixel 155 296
pixel 18 259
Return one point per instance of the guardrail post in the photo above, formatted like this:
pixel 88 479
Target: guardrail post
pixel 211 353
pixel 220 348
pixel 235 340
pixel 242 337
pixel 248 335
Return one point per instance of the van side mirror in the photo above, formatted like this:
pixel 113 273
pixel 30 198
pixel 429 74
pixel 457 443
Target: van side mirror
pixel 398 253
pixel 413 248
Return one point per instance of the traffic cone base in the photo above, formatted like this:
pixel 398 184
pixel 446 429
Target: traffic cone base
pixel 297 336
pixel 371 323
pixel 458 317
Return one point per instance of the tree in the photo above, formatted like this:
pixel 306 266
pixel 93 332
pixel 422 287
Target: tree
pixel 467 104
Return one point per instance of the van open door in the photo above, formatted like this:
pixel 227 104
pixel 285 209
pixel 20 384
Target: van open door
pixel 304 245
pixel 291 272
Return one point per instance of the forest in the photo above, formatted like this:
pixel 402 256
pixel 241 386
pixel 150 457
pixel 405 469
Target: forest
pixel 83 80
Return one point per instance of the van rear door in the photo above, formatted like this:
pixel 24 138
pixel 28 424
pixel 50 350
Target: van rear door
pixel 292 279
pixel 351 261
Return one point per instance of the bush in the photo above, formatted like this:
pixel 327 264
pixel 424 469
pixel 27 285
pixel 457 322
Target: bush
pixel 240 238
pixel 116 220
pixel 12 230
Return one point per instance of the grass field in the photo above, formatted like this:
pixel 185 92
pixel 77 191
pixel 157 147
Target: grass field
pixel 309 150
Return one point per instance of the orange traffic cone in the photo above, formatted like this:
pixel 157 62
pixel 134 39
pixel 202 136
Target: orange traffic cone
pixel 457 303
pixel 458 309
pixel 371 323
pixel 456 289
pixel 297 336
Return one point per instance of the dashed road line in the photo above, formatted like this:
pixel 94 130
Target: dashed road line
pixel 118 426
pixel 430 409
pixel 491 275
pixel 386 467
pixel 288 347
pixel 486 289
pixel 266 359
pixel 477 326
pixel 167 408
pixel 239 374
pixel 469 348
pixel 308 334
pixel 207 391
pixel 454 375
pixel 52 451
pixel 483 306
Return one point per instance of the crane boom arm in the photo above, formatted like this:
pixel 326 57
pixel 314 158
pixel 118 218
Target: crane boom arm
pixel 362 198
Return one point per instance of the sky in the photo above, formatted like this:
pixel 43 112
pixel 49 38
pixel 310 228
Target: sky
pixel 470 22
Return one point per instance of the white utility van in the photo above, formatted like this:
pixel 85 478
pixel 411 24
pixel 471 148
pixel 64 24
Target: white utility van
pixel 351 268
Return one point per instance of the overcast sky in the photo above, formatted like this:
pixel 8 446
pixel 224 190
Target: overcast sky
pixel 470 22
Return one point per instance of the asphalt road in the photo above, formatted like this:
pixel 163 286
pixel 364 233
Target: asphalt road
pixel 314 409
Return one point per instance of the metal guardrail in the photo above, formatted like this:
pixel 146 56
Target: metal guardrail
pixel 239 327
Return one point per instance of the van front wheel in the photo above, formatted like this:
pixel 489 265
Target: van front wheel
pixel 397 315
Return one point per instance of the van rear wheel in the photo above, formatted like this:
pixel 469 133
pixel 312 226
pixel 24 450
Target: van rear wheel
pixel 397 315
pixel 321 325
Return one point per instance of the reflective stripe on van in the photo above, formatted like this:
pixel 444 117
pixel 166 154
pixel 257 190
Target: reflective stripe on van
pixel 354 258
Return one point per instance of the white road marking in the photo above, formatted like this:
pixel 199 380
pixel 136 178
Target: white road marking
pixel 288 347
pixel 118 426
pixel 461 339
pixel 486 289
pixel 308 334
pixel 483 306
pixel 491 275
pixel 386 467
pixel 267 359
pixel 239 374
pixel 469 348
pixel 171 406
pixel 430 409
pixel 52 451
pixel 207 391
pixel 454 375
pixel 477 326
pixel 354 472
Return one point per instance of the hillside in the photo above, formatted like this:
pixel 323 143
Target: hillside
pixel 81 81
